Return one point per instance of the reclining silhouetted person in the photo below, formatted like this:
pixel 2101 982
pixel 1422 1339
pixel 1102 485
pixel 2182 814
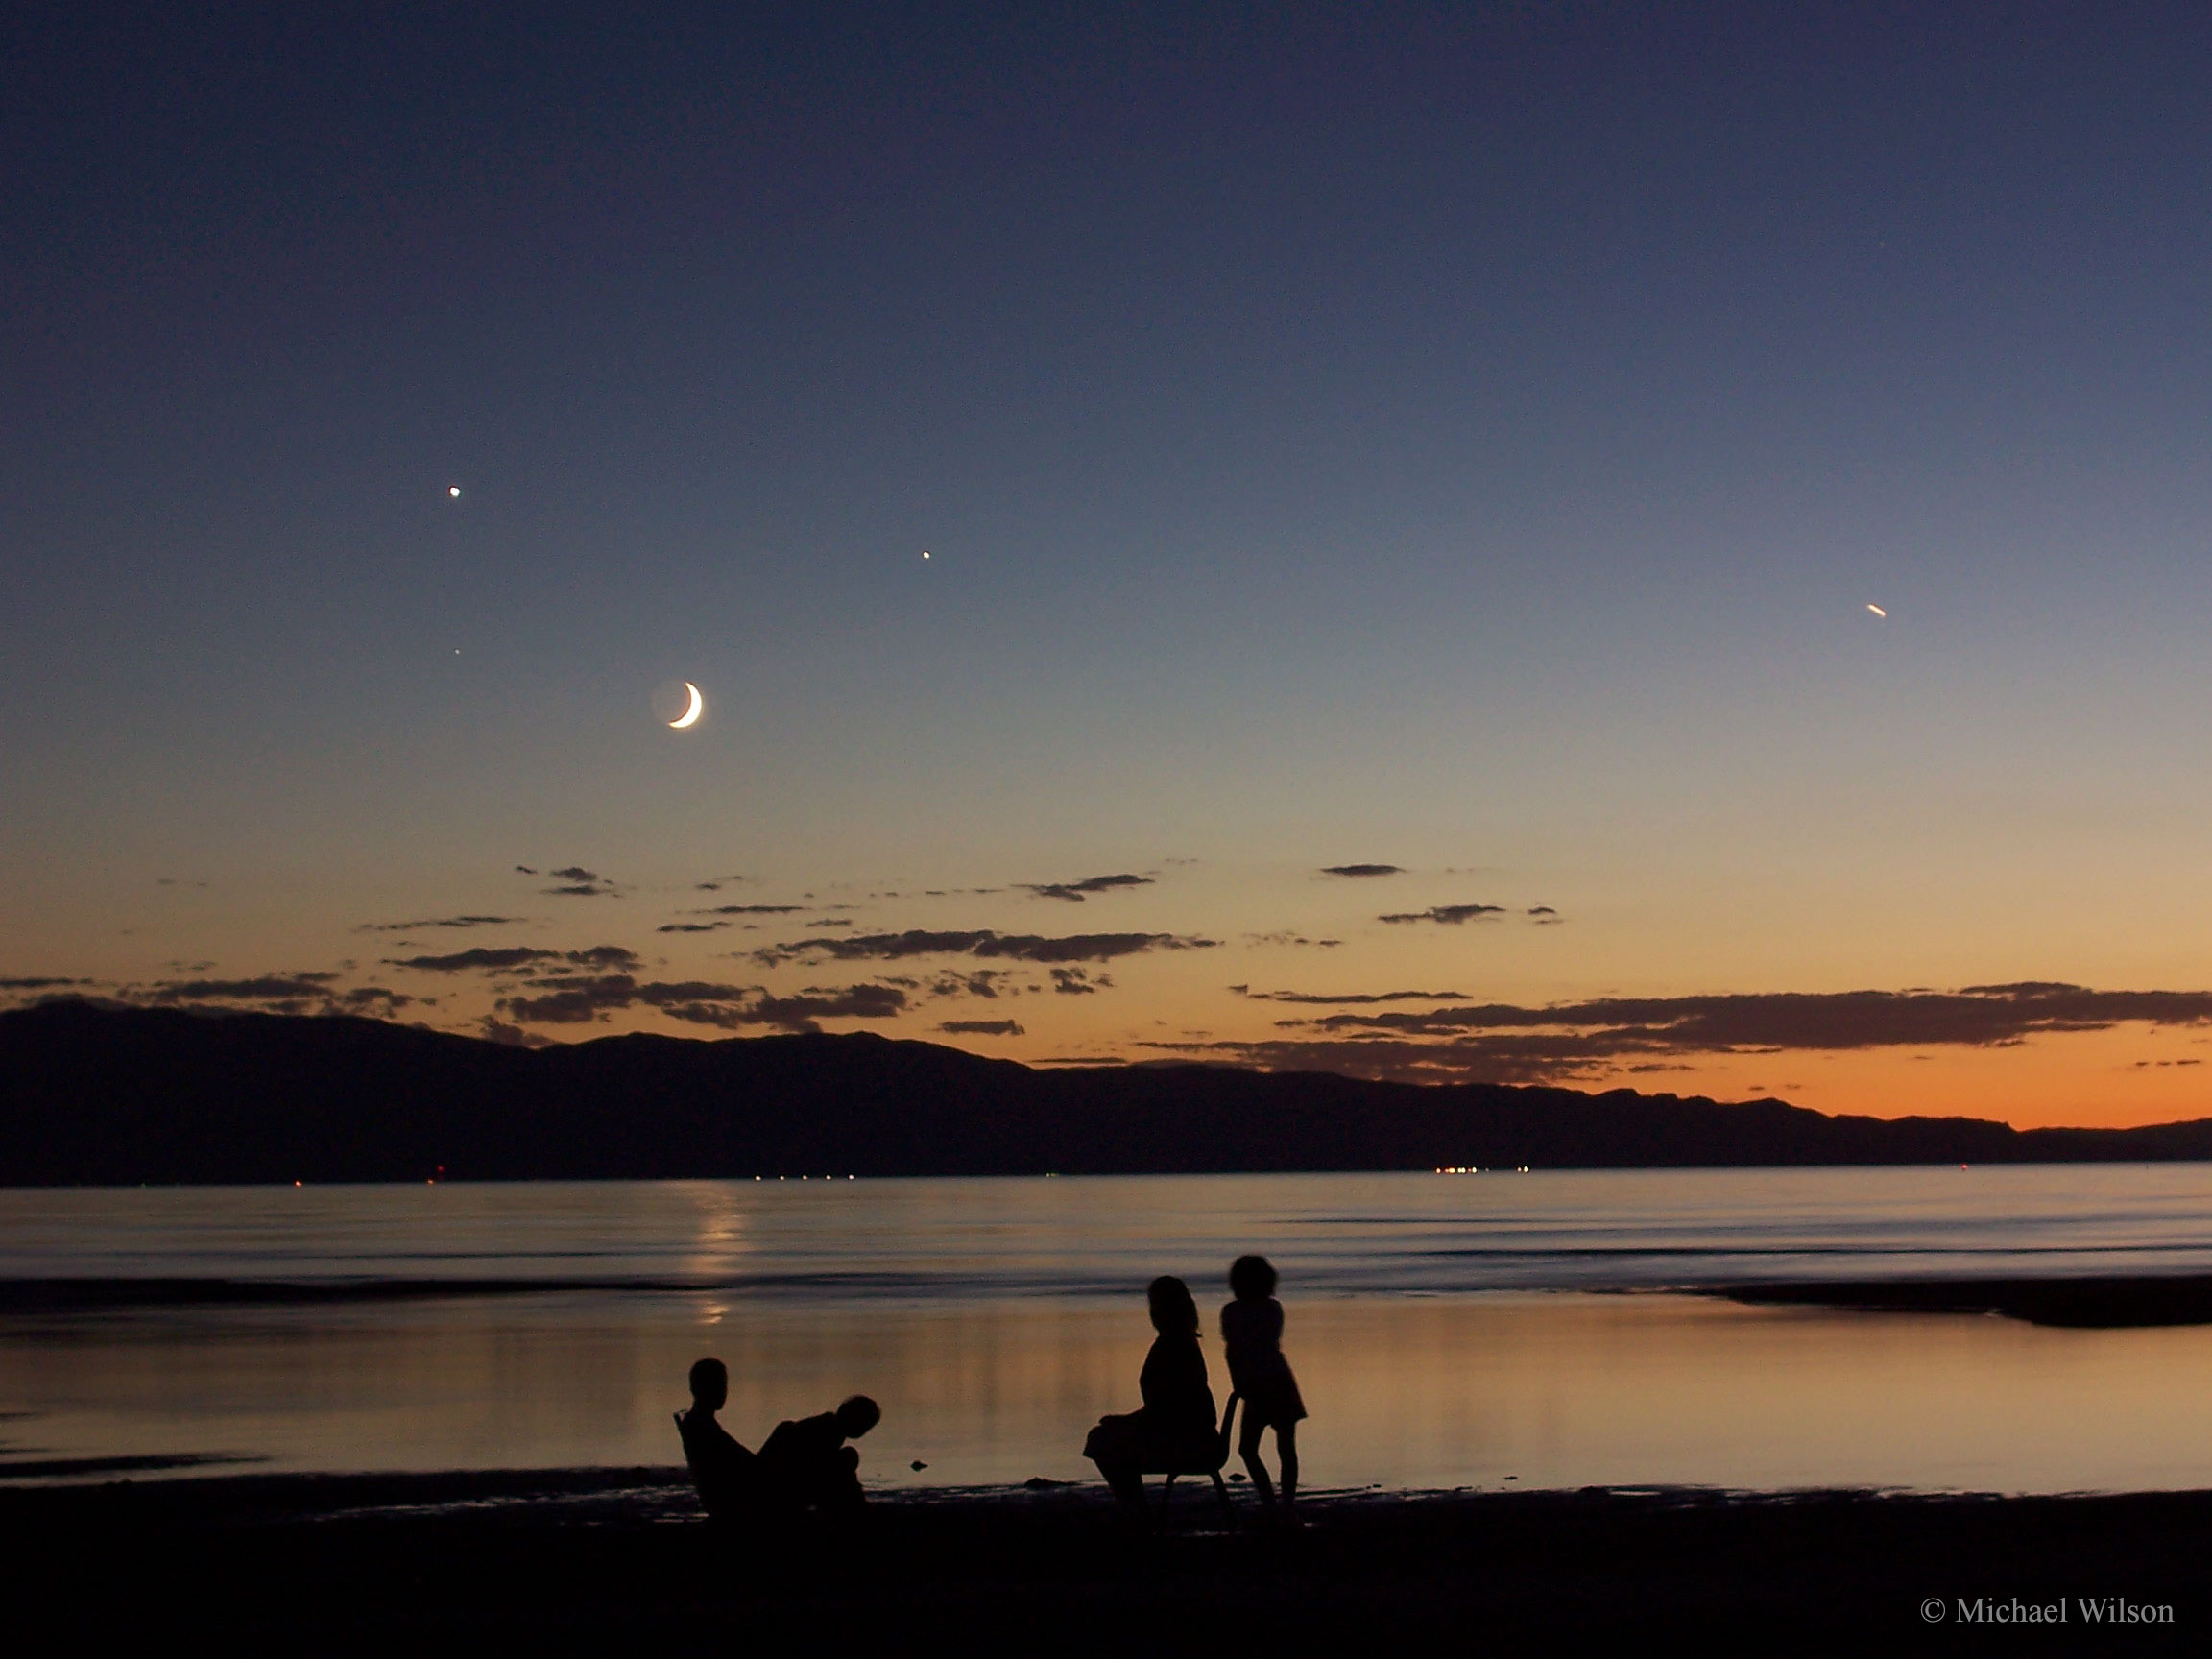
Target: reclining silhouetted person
pixel 725 1474
pixel 808 1465
pixel 1173 1432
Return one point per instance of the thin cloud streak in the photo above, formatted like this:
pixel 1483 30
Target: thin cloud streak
pixel 576 881
pixel 1075 891
pixel 979 941
pixel 486 959
pixel 1451 915
pixel 440 921
pixel 1348 998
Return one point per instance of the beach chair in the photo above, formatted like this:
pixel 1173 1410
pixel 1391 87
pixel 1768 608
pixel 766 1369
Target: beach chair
pixel 722 1473
pixel 1216 1458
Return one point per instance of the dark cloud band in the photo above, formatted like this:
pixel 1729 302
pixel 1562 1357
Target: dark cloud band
pixel 572 1002
pixel 1578 1040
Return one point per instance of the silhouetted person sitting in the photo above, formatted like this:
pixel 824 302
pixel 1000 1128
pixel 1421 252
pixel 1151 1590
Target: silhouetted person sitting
pixel 806 1464
pixel 1174 1431
pixel 725 1473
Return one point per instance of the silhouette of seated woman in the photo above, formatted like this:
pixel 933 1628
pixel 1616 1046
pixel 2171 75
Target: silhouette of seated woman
pixel 808 1465
pixel 1174 1431
pixel 725 1473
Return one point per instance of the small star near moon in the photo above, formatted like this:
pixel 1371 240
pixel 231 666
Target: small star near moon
pixel 925 552
pixel 452 491
pixel 1876 610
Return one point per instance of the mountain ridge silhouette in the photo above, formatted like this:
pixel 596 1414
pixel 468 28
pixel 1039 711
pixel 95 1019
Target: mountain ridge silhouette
pixel 98 1095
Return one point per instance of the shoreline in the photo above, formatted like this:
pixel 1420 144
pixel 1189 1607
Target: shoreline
pixel 2080 1302
pixel 570 1557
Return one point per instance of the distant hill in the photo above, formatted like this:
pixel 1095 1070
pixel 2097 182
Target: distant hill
pixel 94 1095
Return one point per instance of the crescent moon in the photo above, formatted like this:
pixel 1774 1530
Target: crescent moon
pixel 690 715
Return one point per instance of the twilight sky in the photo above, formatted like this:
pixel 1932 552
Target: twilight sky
pixel 1454 447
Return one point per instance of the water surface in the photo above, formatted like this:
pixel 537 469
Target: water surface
pixel 1447 1330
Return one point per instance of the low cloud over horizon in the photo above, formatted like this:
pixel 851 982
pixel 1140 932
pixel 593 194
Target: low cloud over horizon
pixel 304 992
pixel 1503 1043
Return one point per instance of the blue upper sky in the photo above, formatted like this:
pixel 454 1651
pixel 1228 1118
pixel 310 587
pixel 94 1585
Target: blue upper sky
pixel 1464 438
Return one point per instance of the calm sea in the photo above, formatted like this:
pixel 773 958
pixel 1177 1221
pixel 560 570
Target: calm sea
pixel 1448 1331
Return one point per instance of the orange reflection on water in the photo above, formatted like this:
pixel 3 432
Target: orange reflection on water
pixel 1557 1389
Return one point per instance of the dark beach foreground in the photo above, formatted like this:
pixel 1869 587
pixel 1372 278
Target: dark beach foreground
pixel 618 1560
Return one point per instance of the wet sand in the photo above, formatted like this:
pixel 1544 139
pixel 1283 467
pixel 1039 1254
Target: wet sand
pixel 618 1560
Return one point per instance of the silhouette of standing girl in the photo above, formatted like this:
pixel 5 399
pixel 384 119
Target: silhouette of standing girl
pixel 1252 1340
